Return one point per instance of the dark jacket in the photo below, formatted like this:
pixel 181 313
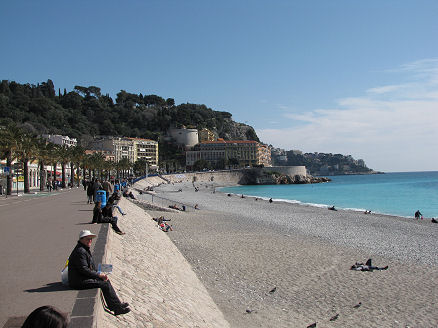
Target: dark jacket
pixel 107 211
pixel 81 266
pixel 97 215
pixel 90 188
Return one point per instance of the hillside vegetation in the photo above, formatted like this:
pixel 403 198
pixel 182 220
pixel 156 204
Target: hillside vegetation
pixel 86 112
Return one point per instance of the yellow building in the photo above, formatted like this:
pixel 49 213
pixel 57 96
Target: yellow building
pixel 206 135
pixel 146 149
pixel 133 149
pixel 246 152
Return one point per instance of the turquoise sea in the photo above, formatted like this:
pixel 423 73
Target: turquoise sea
pixel 398 194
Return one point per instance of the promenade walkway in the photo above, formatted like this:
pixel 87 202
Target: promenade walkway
pixel 37 234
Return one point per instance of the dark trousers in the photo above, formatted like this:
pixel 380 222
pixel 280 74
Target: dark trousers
pixel 111 299
pixel 112 221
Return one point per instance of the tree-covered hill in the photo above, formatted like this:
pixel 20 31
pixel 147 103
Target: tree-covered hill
pixel 85 112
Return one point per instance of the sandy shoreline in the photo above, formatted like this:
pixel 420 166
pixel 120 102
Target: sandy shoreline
pixel 241 249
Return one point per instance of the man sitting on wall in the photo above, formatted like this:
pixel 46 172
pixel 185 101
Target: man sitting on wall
pixel 98 217
pixel 82 274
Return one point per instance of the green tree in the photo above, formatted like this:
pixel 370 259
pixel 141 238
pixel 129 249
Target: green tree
pixel 123 165
pixel 9 145
pixel 43 158
pixel 63 155
pixel 77 156
pixel 140 166
pixel 234 162
pixel 201 164
pixel 26 151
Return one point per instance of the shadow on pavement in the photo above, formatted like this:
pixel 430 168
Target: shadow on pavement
pixel 50 287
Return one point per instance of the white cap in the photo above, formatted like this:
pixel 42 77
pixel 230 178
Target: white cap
pixel 85 233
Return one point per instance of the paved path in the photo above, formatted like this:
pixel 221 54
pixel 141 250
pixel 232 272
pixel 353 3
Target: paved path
pixel 37 234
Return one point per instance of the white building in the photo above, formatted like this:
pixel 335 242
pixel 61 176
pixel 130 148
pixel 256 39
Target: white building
pixel 61 140
pixel 186 137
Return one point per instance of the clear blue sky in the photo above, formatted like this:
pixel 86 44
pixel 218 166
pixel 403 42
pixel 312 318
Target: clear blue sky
pixel 350 77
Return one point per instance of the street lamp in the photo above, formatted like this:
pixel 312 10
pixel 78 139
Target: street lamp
pixel 146 159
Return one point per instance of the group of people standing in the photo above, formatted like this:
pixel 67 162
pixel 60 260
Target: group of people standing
pixel 95 185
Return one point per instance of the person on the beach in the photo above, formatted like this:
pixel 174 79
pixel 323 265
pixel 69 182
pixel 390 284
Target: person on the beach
pixel 98 217
pixel 165 227
pixel 332 208
pixel 433 220
pixel 270 200
pixel 418 215
pixel 161 219
pixel 46 316
pixel 196 207
pixel 82 274
pixel 366 267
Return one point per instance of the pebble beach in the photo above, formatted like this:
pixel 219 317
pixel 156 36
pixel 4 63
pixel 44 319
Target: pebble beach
pixel 288 265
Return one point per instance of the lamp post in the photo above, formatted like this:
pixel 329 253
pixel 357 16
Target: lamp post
pixel 146 159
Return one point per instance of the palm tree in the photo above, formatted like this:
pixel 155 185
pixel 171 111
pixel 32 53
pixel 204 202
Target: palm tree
pixel 78 154
pixel 27 152
pixel 123 165
pixel 96 163
pixel 107 166
pixel 63 158
pixel 52 155
pixel 43 158
pixel 9 137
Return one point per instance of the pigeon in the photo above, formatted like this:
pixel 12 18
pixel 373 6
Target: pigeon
pixel 272 291
pixel 336 316
pixel 313 325
pixel 357 305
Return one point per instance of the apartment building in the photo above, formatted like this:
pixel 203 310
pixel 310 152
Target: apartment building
pixel 146 149
pixel 246 152
pixel 131 148
pixel 264 155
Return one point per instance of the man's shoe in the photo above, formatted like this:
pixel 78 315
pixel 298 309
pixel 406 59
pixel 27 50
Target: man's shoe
pixel 120 233
pixel 122 310
pixel 124 304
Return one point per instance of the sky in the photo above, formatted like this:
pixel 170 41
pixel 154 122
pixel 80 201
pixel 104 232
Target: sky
pixel 358 78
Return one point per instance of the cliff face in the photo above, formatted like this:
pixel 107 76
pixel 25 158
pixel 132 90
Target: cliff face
pixel 260 177
pixel 232 130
